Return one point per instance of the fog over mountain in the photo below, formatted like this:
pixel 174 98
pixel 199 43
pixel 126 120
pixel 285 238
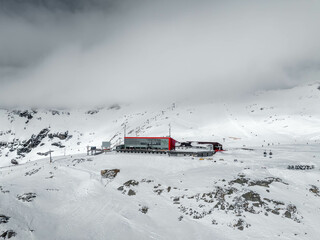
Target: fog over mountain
pixel 159 119
pixel 83 53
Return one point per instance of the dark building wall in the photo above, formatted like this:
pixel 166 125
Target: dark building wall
pixel 164 143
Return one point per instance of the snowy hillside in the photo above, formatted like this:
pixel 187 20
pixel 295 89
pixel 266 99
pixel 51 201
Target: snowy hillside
pixel 284 116
pixel 237 194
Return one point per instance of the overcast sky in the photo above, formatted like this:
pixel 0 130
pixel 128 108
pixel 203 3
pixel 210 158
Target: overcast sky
pixel 93 52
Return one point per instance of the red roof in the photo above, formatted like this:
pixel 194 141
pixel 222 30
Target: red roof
pixel 151 137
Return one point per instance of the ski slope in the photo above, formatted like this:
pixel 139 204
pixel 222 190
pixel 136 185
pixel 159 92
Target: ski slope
pixel 236 194
pixel 73 201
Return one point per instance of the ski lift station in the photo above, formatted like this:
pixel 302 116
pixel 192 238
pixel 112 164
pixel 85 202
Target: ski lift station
pixel 164 145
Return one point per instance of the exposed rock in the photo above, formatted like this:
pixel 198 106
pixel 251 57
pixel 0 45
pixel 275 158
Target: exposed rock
pixel 61 135
pixel 252 196
pixel 110 173
pixel 131 192
pixel 3 191
pixel 128 185
pixel 315 190
pixel 33 142
pixel 58 144
pixel 8 234
pixel 131 183
pixel 33 171
pixel 287 214
pixel 158 191
pixel 81 160
pixel 26 114
pixel 263 183
pixel 27 197
pixel 14 162
pixel 291 213
pixel 241 224
pixel 91 112
pixel 237 202
pixel 273 201
pixel 144 209
pixel 114 107
pixel 240 181
pixel 44 153
pixel 176 199
pixel 4 218
pixel 147 180
pixel 54 112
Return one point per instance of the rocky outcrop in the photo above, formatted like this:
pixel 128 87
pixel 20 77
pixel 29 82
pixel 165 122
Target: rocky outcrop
pixel 91 112
pixel 261 182
pixel 8 234
pixel 241 224
pixel 4 218
pixel 131 183
pixel 61 135
pixel 315 190
pixel 14 162
pixel 238 201
pixel 33 171
pixel 58 144
pixel 109 173
pixel 27 197
pixel 2 190
pixel 144 209
pixel 114 107
pixel 81 160
pixel 33 142
pixel 127 187
pixel 131 192
pixel 44 153
pixel 25 114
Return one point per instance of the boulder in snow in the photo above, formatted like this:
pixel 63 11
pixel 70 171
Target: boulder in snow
pixel 14 162
pixel 109 173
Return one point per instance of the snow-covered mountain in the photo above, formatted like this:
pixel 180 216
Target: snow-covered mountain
pixel 237 194
pixel 285 116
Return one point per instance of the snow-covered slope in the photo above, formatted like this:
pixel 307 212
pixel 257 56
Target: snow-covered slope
pixel 160 197
pixel 236 194
pixel 283 116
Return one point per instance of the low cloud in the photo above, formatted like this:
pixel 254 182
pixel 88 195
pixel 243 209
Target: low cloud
pixel 110 51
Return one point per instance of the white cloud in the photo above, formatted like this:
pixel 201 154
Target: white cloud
pixel 201 50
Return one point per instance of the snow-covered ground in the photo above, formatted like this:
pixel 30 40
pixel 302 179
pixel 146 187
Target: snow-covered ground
pixel 283 116
pixel 73 201
pixel 236 194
